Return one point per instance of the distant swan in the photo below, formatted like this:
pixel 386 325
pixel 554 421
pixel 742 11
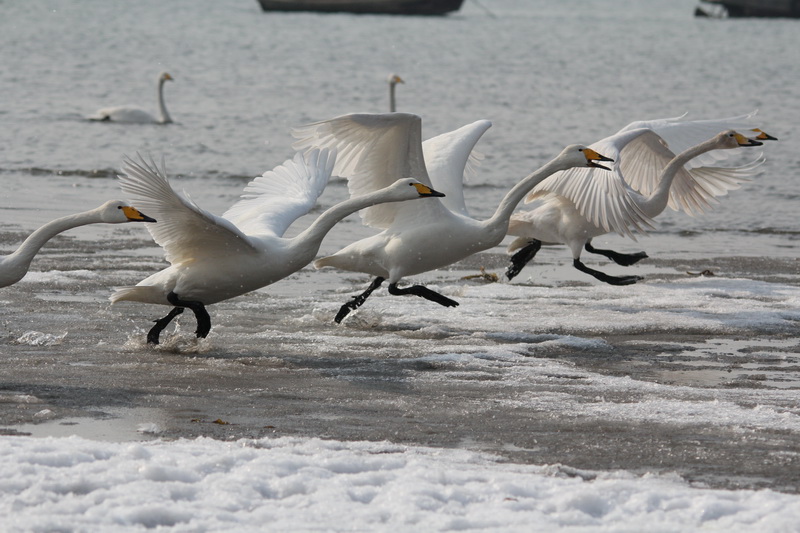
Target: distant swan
pixel 419 236
pixel 216 258
pixel 136 115
pixel 645 161
pixel 13 267
pixel 393 80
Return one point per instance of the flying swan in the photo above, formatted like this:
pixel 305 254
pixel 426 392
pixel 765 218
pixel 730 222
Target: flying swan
pixel 134 114
pixel 216 258
pixel 576 206
pixel 14 266
pixel 421 236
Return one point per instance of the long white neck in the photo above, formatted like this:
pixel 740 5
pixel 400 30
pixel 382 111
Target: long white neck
pixel 653 205
pixel 392 103
pixel 312 237
pixel 162 109
pixel 513 197
pixel 14 266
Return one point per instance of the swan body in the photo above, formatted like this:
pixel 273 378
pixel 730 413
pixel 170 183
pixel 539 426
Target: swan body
pixel 393 80
pixel 421 236
pixel 641 151
pixel 135 115
pixel 14 266
pixel 214 258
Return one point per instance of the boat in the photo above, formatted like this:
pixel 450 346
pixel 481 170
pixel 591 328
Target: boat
pixel 379 7
pixel 756 8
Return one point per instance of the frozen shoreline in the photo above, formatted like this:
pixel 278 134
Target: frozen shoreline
pixel 707 393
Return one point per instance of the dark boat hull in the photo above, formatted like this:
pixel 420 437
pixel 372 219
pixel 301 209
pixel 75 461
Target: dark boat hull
pixel 760 8
pixel 381 7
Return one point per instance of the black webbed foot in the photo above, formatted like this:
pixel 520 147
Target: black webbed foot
pixel 358 300
pixel 424 292
pixel 522 258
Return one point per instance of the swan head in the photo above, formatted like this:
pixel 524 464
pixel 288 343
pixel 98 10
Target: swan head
pixel 761 135
pixel 734 139
pixel 394 79
pixel 577 155
pixel 116 211
pixel 409 188
pixel 164 76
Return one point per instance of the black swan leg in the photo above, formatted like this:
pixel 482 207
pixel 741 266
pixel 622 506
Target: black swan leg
pixel 419 290
pixel 611 280
pixel 522 257
pixel 357 301
pixel 200 313
pixel 618 257
pixel 155 331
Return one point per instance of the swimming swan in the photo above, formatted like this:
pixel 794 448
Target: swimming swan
pixel 134 114
pixel 393 80
pixel 420 236
pixel 13 267
pixel 644 160
pixel 216 258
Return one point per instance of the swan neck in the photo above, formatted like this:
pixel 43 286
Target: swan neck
pixel 523 187
pixel 23 255
pixel 314 234
pixel 659 198
pixel 162 108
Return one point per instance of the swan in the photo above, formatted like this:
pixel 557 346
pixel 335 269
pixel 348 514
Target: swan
pixel 640 154
pixel 215 258
pixel 134 114
pixel 393 80
pixel 422 236
pixel 14 266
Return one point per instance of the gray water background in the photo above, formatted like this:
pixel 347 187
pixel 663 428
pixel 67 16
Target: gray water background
pixel 545 73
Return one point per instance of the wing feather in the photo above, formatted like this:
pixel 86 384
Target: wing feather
pixel 374 151
pixel 184 229
pixel 273 201
pixel 448 159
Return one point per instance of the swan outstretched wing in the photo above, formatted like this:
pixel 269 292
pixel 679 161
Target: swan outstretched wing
pixel 695 186
pixel 602 196
pixel 273 201
pixel 184 230
pixel 373 151
pixel 449 157
pixel 681 134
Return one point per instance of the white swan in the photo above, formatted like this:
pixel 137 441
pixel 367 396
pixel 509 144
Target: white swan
pixel 216 258
pixel 14 266
pixel 393 80
pixel 645 161
pixel 422 236
pixel 134 114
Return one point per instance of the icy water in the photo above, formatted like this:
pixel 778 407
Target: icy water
pixel 682 373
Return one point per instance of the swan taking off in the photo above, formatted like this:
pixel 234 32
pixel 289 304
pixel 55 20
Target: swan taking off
pixel 135 115
pixel 13 267
pixel 420 236
pixel 577 207
pixel 214 258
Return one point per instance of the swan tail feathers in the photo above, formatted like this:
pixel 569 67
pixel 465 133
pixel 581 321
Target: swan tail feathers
pixel 139 293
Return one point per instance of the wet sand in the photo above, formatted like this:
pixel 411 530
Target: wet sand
pixel 259 375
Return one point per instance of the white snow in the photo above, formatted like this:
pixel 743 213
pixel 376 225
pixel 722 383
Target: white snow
pixel 293 484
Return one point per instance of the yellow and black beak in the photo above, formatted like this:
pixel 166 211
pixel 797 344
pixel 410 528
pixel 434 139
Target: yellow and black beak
pixel 592 156
pixel 744 141
pixel 134 215
pixel 763 135
pixel 426 191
